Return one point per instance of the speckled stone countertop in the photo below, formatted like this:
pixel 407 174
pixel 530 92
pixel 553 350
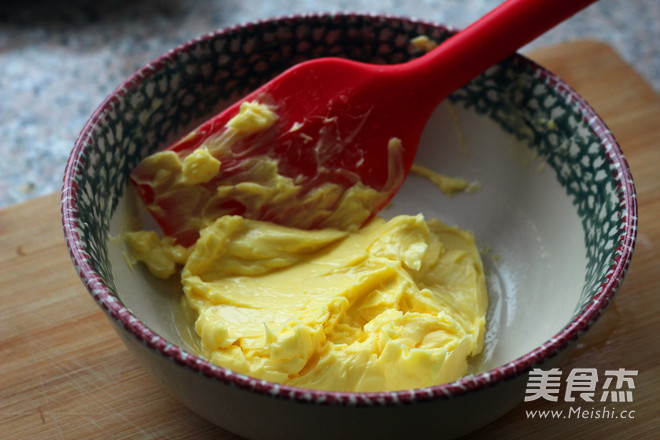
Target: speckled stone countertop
pixel 60 59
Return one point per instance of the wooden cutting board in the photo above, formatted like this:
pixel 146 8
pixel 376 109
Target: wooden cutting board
pixel 64 373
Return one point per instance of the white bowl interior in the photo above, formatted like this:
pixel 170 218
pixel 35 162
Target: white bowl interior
pixel 528 230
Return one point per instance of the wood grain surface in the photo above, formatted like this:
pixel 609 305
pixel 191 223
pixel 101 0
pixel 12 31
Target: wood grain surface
pixel 64 373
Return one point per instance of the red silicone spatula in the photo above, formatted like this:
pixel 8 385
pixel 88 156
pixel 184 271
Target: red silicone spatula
pixel 337 117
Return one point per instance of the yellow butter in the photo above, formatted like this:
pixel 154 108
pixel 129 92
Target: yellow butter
pixel 199 167
pixel 393 305
pixel 253 117
pixel 424 43
pixel 397 304
pixel 257 185
pixel 447 184
pixel 162 256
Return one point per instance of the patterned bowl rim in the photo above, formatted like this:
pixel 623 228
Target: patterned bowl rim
pixel 570 333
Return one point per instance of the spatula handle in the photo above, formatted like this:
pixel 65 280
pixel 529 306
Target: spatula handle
pixel 487 41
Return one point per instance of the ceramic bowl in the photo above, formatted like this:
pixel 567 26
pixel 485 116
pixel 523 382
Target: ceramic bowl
pixel 555 219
